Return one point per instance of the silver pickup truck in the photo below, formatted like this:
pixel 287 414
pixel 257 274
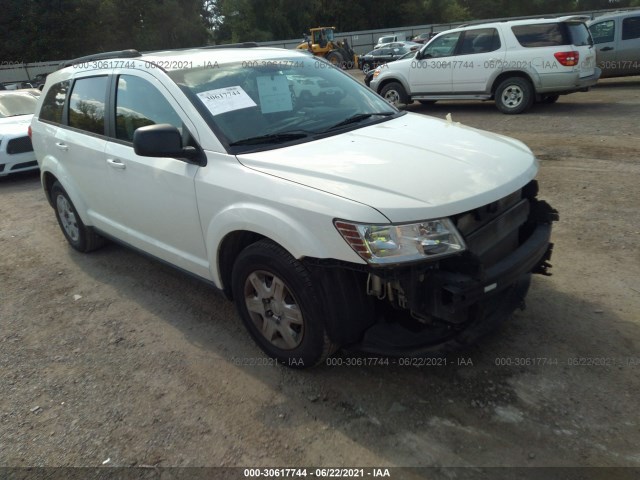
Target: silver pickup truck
pixel 616 37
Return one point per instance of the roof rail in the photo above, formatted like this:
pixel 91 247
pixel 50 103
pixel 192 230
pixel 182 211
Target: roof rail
pixel 102 56
pixel 234 45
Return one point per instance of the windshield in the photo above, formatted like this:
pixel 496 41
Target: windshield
pixel 12 105
pixel 264 103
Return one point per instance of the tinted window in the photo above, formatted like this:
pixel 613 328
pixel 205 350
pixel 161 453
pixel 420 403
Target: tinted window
pixel 579 34
pixel 630 28
pixel 603 32
pixel 540 35
pixel 480 41
pixel 86 106
pixel 53 103
pixel 138 103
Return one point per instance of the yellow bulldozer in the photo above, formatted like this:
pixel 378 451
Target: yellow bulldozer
pixel 321 42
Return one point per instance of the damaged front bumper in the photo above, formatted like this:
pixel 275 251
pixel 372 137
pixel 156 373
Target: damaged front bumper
pixel 433 307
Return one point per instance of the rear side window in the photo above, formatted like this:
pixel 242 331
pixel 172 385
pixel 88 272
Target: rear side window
pixel 603 32
pixel 53 103
pixel 86 106
pixel 481 40
pixel 541 35
pixel 630 28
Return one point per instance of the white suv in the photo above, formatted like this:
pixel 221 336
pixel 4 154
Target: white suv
pixel 337 223
pixel 515 63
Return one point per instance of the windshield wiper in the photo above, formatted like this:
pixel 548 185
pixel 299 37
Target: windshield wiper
pixel 357 118
pixel 269 138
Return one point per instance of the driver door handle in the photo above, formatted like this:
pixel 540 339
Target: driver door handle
pixel 116 163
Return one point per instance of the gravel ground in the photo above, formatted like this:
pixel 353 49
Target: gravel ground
pixel 112 358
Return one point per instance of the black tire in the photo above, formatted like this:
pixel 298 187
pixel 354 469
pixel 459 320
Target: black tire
pixel 366 67
pixel 514 95
pixel 395 94
pixel 80 237
pixel 335 58
pixel 550 99
pixel 427 102
pixel 267 282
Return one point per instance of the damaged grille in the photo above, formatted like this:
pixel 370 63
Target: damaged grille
pixel 19 145
pixel 492 231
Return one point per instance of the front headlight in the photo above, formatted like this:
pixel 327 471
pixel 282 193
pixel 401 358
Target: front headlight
pixel 385 244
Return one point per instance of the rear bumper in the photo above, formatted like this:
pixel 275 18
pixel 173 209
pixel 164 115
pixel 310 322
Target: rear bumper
pixel 567 82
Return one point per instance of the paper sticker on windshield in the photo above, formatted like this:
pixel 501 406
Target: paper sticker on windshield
pixel 224 100
pixel 274 92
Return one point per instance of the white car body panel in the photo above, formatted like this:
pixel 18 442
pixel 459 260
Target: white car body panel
pixel 417 185
pixel 12 128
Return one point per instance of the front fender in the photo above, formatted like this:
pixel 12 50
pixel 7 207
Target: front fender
pixel 300 238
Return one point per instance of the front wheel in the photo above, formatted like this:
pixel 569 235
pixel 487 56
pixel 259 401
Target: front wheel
pixel 365 68
pixel 514 95
pixel 335 58
pixel 81 237
pixel 395 94
pixel 279 306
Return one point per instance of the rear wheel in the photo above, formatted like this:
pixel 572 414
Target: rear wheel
pixel 514 95
pixel 279 305
pixel 395 94
pixel 81 237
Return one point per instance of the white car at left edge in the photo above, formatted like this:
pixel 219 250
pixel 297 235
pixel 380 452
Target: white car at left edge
pixel 16 109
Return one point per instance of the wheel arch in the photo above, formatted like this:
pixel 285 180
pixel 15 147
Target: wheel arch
pixel 230 247
pixel 510 74
pixel 389 80
pixel 51 175
pixel 238 226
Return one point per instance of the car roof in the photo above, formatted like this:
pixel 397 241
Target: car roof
pixel 180 59
pixel 515 23
pixel 616 14
pixel 21 91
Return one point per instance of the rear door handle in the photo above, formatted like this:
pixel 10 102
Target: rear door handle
pixel 115 163
pixel 606 49
pixel 62 146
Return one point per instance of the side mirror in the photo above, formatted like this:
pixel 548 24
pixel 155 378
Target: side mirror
pixel 162 140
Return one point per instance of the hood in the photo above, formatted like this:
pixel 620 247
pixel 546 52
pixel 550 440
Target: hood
pixel 15 126
pixel 409 168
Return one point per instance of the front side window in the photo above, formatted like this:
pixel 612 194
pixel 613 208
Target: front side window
pixel 53 103
pixel 443 46
pixel 138 104
pixel 86 106
pixel 630 28
pixel 603 32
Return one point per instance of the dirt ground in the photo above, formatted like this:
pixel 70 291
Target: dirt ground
pixel 112 358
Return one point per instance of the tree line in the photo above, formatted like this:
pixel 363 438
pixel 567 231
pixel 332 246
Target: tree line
pixel 41 30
